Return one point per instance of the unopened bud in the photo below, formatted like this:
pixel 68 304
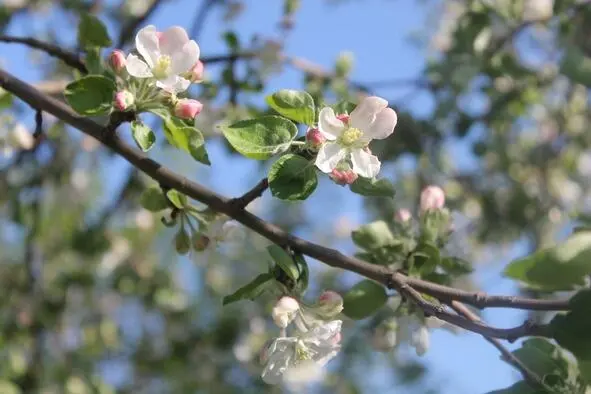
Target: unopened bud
pixel 432 198
pixel 196 72
pixel 182 242
pixel 124 100
pixel 330 303
pixel 343 118
pixel 402 215
pixel 420 340
pixel 384 337
pixel 314 137
pixel 200 242
pixel 343 177
pixel 285 311
pixel 187 108
pixel 117 60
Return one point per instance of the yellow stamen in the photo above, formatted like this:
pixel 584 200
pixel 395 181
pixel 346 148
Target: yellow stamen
pixel 162 67
pixel 350 136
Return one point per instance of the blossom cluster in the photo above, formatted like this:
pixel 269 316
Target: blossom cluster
pixel 315 340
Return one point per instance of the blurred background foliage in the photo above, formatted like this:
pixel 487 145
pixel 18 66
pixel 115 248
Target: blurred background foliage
pixel 93 298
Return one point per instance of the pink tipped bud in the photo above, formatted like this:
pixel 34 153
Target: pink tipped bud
pixel 314 137
pixel 196 72
pixel 284 311
pixel 117 60
pixel 343 118
pixel 336 339
pixel 330 303
pixel 432 198
pixel 402 215
pixel 123 100
pixel 343 177
pixel 187 108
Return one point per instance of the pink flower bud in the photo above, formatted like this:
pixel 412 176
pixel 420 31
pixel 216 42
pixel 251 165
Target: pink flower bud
pixel 196 72
pixel 432 198
pixel 314 137
pixel 123 100
pixel 336 339
pixel 343 118
pixel 117 60
pixel 343 177
pixel 187 108
pixel 330 303
pixel 284 311
pixel 402 215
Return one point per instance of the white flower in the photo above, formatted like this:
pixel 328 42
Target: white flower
pixel 420 340
pixel 284 311
pixel 318 346
pixel 218 231
pixel 166 55
pixel 347 139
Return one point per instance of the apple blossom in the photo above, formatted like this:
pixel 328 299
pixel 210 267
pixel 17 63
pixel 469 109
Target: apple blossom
pixel 330 303
pixel 317 346
pixel 117 60
pixel 343 177
pixel 195 74
pixel 124 100
pixel 285 311
pixel 402 215
pixel 432 198
pixel 187 108
pixel 218 231
pixel 314 137
pixel 166 56
pixel 348 138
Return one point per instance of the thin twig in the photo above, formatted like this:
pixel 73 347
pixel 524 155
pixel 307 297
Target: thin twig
pixel 251 195
pixel 129 29
pixel 329 256
pixel 530 376
pixel 70 58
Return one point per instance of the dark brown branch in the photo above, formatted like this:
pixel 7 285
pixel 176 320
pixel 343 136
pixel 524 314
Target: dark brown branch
pixel 251 195
pixel 530 376
pixel 70 58
pixel 272 232
pixel 129 29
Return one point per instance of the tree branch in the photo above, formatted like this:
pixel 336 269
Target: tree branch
pixel 530 376
pixel 70 58
pixel 251 195
pixel 272 232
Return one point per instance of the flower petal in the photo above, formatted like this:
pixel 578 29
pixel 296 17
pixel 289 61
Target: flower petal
pixel 146 42
pixel 382 126
pixel 328 124
pixel 185 59
pixel 364 114
pixel 365 164
pixel 137 68
pixel 173 84
pixel 280 358
pixel 329 155
pixel 172 40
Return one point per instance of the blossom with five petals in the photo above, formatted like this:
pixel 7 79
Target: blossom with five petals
pixel 347 139
pixel 166 56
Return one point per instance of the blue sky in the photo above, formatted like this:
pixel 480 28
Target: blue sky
pixel 377 32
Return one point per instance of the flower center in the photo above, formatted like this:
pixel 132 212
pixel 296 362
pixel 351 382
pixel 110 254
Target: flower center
pixel 350 136
pixel 162 67
pixel 302 353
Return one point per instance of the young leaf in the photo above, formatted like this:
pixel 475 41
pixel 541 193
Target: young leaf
pixel 261 138
pixel 183 136
pixel 518 388
pixel 456 266
pixel 5 99
pixel 292 178
pixel 573 330
pixel 91 95
pixel 426 258
pixel 143 136
pixel 284 261
pixel 249 291
pixel 293 104
pixel 153 200
pixel 363 299
pixel 92 32
pixel 543 357
pixel 182 242
pixel 561 267
pixel 179 200
pixel 372 236
pixel 199 153
pixel 373 187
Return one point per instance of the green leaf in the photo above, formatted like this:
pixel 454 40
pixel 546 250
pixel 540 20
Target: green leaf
pixel 543 357
pixel 518 388
pixel 293 104
pixel 178 199
pixel 292 178
pixel 561 267
pixel 91 95
pixel 373 187
pixel 200 154
pixel 363 299
pixel 426 257
pixel 261 138
pixel 344 107
pixel 585 369
pixel 573 329
pixel 456 266
pixel 182 242
pixel 153 200
pixel 303 279
pixel 184 137
pixel 285 261
pixel 5 99
pixel 7 387
pixel 92 32
pixel 576 66
pixel 373 235
pixel 143 136
pixel 249 291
